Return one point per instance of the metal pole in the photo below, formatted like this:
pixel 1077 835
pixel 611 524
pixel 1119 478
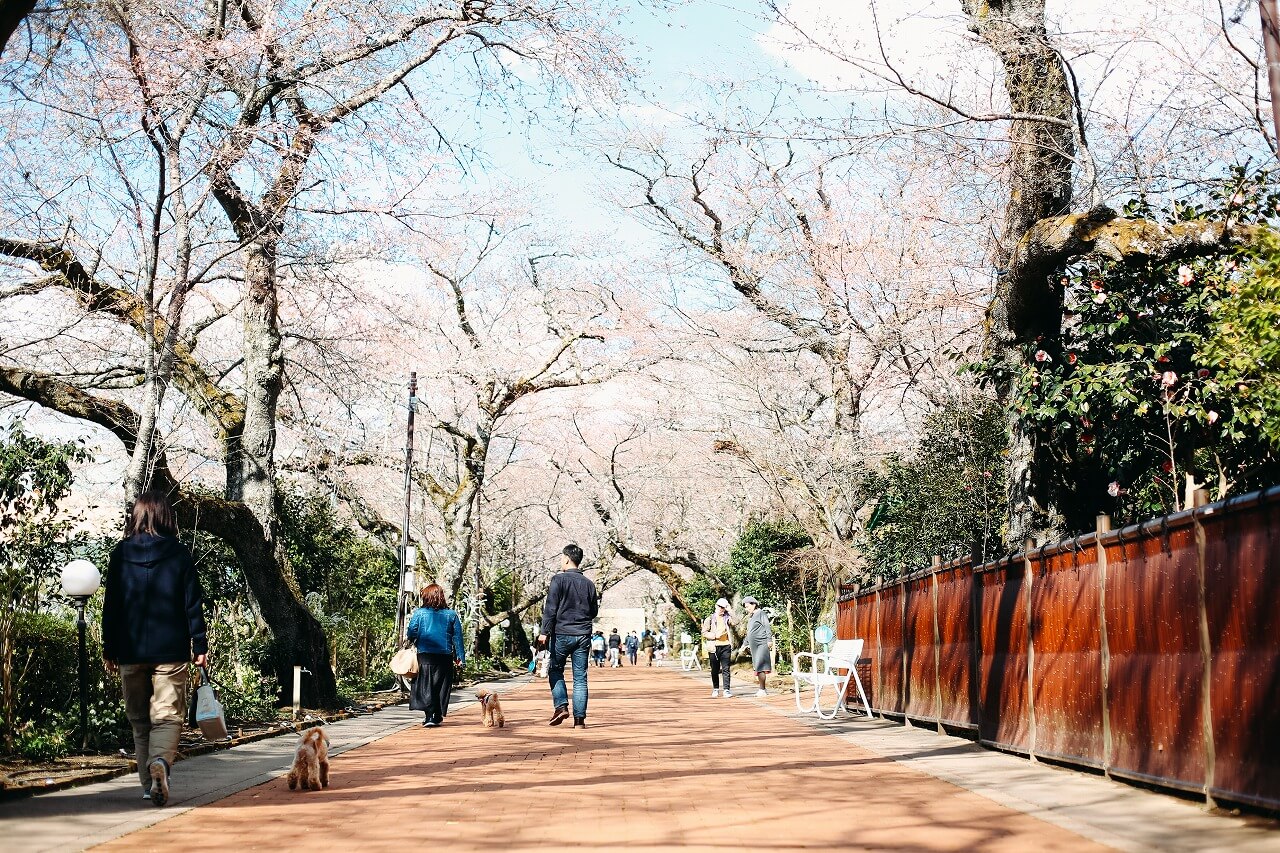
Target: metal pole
pixel 84 666
pixel 402 595
pixel 1271 42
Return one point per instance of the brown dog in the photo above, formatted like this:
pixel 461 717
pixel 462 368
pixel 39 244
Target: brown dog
pixel 311 761
pixel 490 709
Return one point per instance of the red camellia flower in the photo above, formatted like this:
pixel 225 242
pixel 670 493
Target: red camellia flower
pixel 1096 285
pixel 1164 359
pixel 1203 373
pixel 1166 466
pixel 1041 355
pixel 1087 438
pixel 1071 358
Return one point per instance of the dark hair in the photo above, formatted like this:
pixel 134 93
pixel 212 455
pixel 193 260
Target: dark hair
pixel 574 553
pixel 433 597
pixel 152 514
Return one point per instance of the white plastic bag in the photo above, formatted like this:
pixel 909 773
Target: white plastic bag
pixel 209 716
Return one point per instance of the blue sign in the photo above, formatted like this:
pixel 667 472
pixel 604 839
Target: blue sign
pixel 823 634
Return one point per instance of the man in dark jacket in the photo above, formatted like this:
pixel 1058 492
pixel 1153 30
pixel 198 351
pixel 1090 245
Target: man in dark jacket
pixel 152 626
pixel 571 605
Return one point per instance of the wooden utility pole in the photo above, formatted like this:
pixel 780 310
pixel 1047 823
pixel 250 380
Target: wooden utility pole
pixel 1271 43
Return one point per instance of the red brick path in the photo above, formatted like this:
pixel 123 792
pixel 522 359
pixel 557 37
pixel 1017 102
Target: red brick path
pixel 662 767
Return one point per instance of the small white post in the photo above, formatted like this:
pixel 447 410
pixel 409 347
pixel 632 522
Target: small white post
pixel 297 691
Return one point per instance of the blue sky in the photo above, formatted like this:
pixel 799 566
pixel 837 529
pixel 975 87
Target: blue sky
pixel 674 51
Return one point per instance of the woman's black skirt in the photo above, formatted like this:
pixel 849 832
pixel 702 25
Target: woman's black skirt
pixel 432 685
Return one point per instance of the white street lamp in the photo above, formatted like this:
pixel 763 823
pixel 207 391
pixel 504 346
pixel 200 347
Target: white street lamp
pixel 80 580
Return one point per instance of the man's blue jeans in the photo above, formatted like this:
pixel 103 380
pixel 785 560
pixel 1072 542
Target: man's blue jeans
pixel 561 649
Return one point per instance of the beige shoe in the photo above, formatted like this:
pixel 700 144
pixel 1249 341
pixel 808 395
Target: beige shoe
pixel 159 770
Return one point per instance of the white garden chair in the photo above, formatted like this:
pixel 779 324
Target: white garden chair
pixel 689 658
pixel 835 668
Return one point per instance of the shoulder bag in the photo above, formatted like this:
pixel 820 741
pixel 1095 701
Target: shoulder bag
pixel 404 663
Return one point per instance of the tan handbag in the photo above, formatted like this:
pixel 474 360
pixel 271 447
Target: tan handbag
pixel 404 663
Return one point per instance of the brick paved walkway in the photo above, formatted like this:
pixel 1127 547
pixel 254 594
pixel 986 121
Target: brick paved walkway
pixel 663 767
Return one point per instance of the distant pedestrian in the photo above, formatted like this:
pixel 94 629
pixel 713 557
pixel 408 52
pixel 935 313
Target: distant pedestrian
pixel 759 641
pixel 646 647
pixel 598 648
pixel 152 625
pixel 715 631
pixel 437 632
pixel 615 648
pixel 572 603
pixel 632 644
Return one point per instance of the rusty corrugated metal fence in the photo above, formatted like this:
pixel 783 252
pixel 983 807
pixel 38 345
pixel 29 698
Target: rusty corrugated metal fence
pixel 1151 652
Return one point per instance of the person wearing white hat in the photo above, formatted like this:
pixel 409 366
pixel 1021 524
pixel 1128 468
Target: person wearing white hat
pixel 758 640
pixel 715 630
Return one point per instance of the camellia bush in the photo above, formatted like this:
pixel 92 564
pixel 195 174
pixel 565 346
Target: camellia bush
pixel 1162 370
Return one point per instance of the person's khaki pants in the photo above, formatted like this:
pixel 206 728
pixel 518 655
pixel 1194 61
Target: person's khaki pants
pixel 155 701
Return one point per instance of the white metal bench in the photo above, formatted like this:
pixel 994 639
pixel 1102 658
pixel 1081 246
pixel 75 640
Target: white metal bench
pixel 689 658
pixel 835 668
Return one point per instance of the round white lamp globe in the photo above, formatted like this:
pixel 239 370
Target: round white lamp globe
pixel 80 578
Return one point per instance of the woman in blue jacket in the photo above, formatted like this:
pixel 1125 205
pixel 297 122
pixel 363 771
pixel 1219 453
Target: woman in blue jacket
pixel 437 631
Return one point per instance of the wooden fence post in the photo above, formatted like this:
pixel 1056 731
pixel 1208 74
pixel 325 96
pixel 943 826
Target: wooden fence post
pixel 1206 666
pixel 1027 574
pixel 1104 526
pixel 878 662
pixel 937 649
pixel 904 690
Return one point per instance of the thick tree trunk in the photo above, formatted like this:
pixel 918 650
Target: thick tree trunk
pixel 1042 153
pixel 459 538
pixel 482 646
pixel 518 638
pixel 298 637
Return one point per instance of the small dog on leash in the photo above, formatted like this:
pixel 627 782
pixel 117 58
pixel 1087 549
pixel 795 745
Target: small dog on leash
pixel 311 761
pixel 490 709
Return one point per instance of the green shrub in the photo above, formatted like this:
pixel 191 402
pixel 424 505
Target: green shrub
pixel 46 661
pixel 246 694
pixel 48 709
pixel 42 743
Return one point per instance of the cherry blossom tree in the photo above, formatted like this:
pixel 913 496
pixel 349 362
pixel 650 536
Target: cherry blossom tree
pixel 239 104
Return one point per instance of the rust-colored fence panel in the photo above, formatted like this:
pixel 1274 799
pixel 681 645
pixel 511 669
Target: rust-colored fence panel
pixel 1242 588
pixel 1153 635
pixel 864 627
pixel 889 640
pixel 956 648
pixel 1152 652
pixel 1066 639
pixel 921 699
pixel 1003 703
pixel 846 617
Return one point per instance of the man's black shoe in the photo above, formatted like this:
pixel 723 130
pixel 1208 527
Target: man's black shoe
pixel 579 722
pixel 561 714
